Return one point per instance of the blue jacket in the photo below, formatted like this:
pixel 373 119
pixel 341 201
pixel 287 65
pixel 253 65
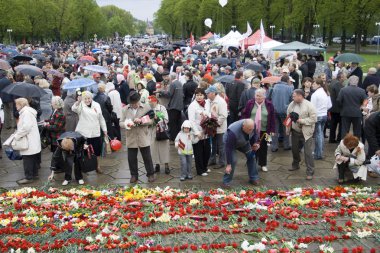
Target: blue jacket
pixel 281 97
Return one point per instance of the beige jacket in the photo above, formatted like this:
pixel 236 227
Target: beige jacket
pixel 307 115
pixel 137 136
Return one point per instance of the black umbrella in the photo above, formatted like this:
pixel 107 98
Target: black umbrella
pixel 225 79
pixel 21 57
pixel 179 44
pixel 312 52
pixel 220 61
pixel 29 70
pixel 49 52
pixel 24 90
pixel 198 47
pixel 255 66
pixel 39 57
pixel 166 49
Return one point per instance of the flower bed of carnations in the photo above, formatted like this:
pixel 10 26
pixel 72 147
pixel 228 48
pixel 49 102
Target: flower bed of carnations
pixel 121 219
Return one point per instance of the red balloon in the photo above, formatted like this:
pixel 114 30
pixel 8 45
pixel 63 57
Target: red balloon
pixel 115 145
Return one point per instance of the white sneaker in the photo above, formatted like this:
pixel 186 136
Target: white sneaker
pixel 204 174
pixel 80 181
pixel 264 168
pixel 65 182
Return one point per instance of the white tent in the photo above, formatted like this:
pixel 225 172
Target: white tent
pixel 230 38
pixel 266 47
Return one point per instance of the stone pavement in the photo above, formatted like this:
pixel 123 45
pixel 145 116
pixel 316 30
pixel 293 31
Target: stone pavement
pixel 116 172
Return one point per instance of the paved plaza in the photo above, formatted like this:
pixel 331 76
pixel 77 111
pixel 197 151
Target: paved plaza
pixel 116 172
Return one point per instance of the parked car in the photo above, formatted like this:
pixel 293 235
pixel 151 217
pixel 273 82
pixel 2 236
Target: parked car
pixel 337 40
pixel 375 40
pixel 320 44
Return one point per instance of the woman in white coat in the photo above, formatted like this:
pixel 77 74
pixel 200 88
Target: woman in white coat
pixel 202 150
pixel 27 127
pixel 159 149
pixel 91 121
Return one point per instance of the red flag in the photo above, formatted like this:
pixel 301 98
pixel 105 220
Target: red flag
pixel 181 145
pixel 192 42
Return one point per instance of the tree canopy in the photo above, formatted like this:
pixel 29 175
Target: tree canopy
pixel 56 20
pixel 293 19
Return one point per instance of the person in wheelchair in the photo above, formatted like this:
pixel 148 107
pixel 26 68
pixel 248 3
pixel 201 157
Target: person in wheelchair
pixel 70 146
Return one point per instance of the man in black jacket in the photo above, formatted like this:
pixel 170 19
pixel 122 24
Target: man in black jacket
pixel 293 74
pixel 303 68
pixel 372 133
pixel 334 88
pixel 350 99
pixel 370 79
pixel 233 92
pixel 311 65
pixel 355 70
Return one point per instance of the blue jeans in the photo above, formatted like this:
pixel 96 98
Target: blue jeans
pixel 186 161
pixel 251 165
pixel 279 119
pixel 218 147
pixel 319 136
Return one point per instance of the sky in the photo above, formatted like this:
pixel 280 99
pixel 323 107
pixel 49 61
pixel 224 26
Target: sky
pixel 140 9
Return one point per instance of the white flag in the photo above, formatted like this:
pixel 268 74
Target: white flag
pixel 262 34
pixel 248 33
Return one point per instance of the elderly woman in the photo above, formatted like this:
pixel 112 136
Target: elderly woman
pixel 202 150
pixel 27 127
pixel 261 110
pixel 143 92
pixel 56 124
pixel 350 155
pixel 45 100
pixel 91 121
pixel 159 148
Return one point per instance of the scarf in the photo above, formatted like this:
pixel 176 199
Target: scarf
pixel 202 103
pixel 258 118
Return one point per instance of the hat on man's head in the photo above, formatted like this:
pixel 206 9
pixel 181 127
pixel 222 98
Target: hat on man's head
pixel 212 89
pixel 165 73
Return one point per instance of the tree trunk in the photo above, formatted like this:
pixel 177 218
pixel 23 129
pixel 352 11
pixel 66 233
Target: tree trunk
pixel 357 42
pixel 343 46
pixel 365 34
pixel 324 31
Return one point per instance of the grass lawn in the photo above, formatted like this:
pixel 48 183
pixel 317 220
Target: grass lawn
pixel 371 60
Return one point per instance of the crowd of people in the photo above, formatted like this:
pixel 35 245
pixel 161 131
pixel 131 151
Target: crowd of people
pixel 185 98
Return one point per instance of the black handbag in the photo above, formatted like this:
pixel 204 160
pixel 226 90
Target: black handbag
pixel 88 161
pixel 45 138
pixel 13 154
pixel 162 131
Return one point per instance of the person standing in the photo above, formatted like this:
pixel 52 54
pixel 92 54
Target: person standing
pixel 322 103
pixel 9 120
pixel 351 99
pixel 91 121
pixel 233 92
pixel 27 127
pixel 303 117
pixel 188 90
pixel 184 143
pixel 240 136
pixel 335 87
pixel 356 70
pixel 159 148
pixel 45 100
pixel 175 106
pixel 281 97
pixel 293 74
pixel 372 133
pixel 261 110
pixel 311 66
pixel 137 136
pixel 106 106
pixel 56 124
pixel 197 111
pixel 370 79
pixel 218 109
pixel 249 94
pixel 70 116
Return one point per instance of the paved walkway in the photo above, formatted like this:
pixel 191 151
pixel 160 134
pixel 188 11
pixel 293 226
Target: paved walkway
pixel 116 171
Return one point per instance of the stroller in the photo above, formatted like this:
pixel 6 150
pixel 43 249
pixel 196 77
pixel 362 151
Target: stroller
pixel 62 160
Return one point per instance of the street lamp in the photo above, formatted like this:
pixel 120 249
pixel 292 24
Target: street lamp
pixel 9 32
pixel 272 27
pixel 378 36
pixel 317 27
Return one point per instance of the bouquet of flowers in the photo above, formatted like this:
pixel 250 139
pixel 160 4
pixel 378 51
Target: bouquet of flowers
pixel 209 125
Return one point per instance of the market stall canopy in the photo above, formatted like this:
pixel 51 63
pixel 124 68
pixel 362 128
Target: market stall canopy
pixel 255 39
pixel 296 45
pixel 233 36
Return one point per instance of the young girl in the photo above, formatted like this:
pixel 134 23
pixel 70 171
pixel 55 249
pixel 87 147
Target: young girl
pixel 184 142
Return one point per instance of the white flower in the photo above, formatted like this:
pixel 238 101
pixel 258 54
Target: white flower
pixel 289 245
pixel 326 249
pixel 194 202
pixel 302 246
pixel 31 250
pixel 74 204
pixel 252 247
pixel 100 238
pixel 264 240
pixel 114 237
pixel 364 233
pixel 89 239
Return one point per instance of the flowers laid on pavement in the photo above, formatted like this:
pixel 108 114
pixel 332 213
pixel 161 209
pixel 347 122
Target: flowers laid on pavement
pixel 135 219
